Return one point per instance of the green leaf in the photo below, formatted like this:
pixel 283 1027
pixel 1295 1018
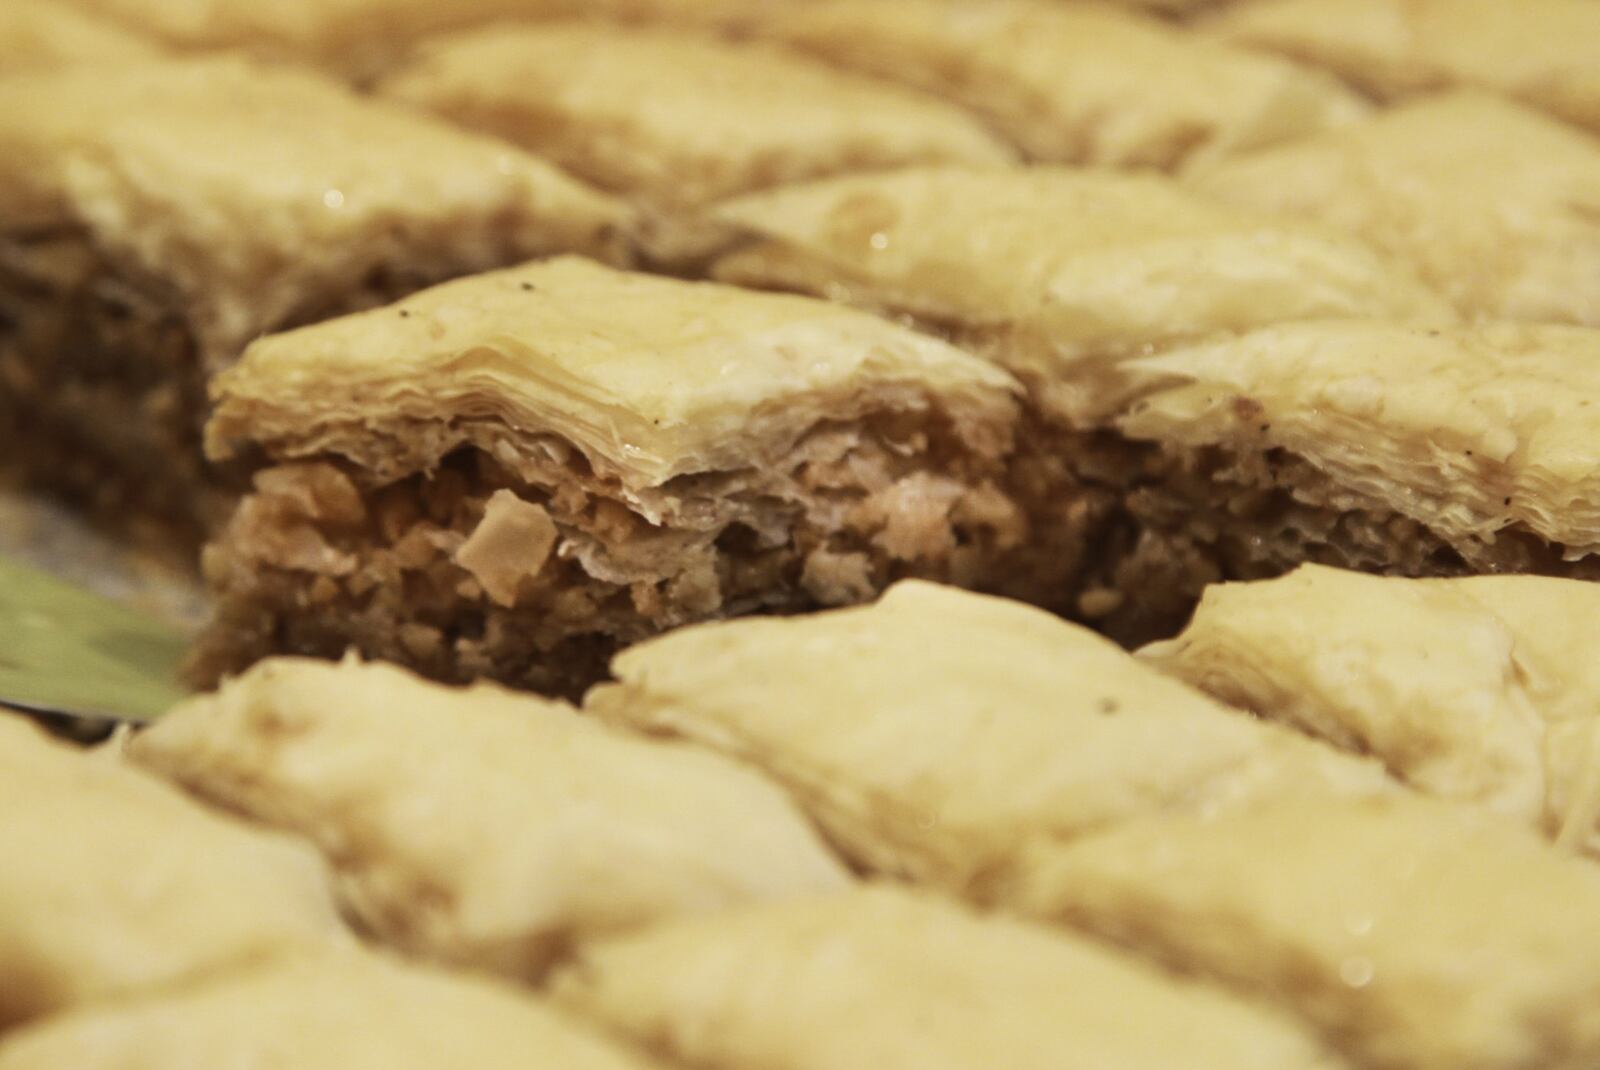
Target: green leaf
pixel 64 648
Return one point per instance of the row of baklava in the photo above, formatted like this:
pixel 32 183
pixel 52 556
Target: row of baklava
pixel 1104 391
pixel 753 850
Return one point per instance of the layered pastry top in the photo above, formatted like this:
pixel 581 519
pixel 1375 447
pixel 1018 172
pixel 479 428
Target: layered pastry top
pixel 361 38
pixel 117 882
pixel 679 120
pixel 256 194
pixel 1461 686
pixel 1492 203
pixel 1544 52
pixel 532 825
pixel 1058 273
pixel 42 34
pixel 1074 83
pixel 650 377
pixel 1467 429
pixel 915 981
pixel 937 734
pixel 340 1010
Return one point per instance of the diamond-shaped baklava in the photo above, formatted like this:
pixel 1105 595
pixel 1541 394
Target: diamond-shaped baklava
pixel 115 882
pixel 1074 82
pixel 1065 277
pixel 482 827
pixel 154 218
pixel 41 34
pixel 1492 203
pixel 936 734
pixel 898 979
pixel 362 38
pixel 512 474
pixel 1057 274
pixel 338 1011
pixel 1478 689
pixel 1393 448
pixel 1416 935
pixel 1544 52
pixel 674 121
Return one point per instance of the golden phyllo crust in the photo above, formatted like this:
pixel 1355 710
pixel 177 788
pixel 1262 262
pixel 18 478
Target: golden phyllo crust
pixel 115 882
pixel 1479 441
pixel 155 218
pixel 937 734
pixel 902 980
pixel 337 1011
pixel 482 827
pixel 1417 936
pixel 1493 204
pixel 45 34
pixel 512 474
pixel 1543 52
pixel 1059 275
pixel 1463 687
pixel 257 195
pixel 1073 82
pixel 675 121
pixel 362 38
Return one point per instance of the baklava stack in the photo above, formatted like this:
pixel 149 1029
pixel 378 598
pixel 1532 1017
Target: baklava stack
pixel 158 216
pixel 511 475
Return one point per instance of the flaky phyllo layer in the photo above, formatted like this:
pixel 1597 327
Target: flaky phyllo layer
pixel 1059 275
pixel 513 474
pixel 1464 687
pixel 155 217
pixel 1478 440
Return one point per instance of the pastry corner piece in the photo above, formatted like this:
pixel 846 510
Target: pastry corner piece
pixel 1410 932
pixel 38 35
pixel 1371 445
pixel 1544 52
pixel 1075 83
pixel 337 1010
pixel 359 40
pixel 481 827
pixel 116 882
pixel 937 733
pixel 910 980
pixel 515 474
pixel 687 119
pixel 1492 203
pixel 1478 690
pixel 155 217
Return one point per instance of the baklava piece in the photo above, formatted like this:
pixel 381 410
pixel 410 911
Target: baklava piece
pixel 361 39
pixel 1479 689
pixel 1367 445
pixel 44 34
pixel 674 122
pixel 1062 277
pixel 336 1011
pixel 1417 936
pixel 900 980
pixel 155 218
pixel 1057 274
pixel 113 881
pixel 1492 203
pixel 935 734
pixel 481 827
pixel 1543 52
pixel 1075 83
pixel 512 475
